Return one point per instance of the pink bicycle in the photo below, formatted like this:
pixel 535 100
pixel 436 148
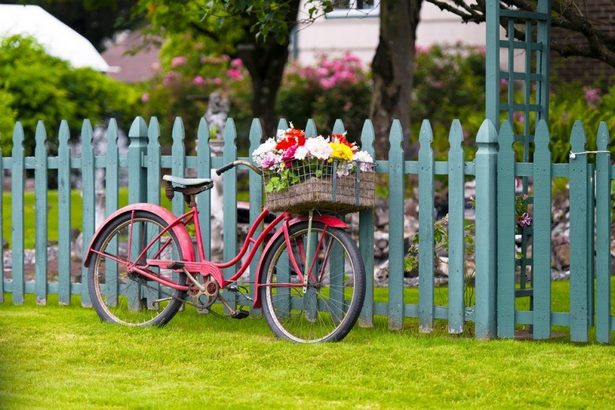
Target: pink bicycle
pixel 142 266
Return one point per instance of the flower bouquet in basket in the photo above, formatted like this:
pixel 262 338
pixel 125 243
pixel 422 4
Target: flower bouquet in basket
pixel 300 174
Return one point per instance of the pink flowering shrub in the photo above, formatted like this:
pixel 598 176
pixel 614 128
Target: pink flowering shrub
pixel 330 89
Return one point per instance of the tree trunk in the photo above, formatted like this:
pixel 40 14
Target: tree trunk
pixel 265 62
pixel 393 71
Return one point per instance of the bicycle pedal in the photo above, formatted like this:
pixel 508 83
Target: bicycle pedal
pixel 240 314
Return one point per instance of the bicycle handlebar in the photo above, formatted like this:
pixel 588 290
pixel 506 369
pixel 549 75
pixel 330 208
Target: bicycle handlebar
pixel 230 165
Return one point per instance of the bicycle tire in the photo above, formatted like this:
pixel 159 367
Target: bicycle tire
pixel 329 308
pixel 128 298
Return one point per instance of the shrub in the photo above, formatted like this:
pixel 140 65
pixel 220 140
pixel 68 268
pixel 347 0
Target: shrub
pixel 42 87
pixel 333 88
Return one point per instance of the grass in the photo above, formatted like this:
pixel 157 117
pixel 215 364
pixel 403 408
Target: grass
pixel 64 357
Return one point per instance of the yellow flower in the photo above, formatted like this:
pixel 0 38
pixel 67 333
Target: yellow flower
pixel 341 151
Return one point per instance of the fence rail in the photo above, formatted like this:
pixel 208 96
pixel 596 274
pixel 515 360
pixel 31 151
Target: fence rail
pixel 493 311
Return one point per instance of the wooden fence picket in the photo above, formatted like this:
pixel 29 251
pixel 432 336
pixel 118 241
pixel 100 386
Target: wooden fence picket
pixel 153 162
pixel 111 205
pixel 17 218
pixel 88 192
pixel 506 232
pixel 426 229
pixel 396 228
pixel 203 170
pixel 603 236
pixel 456 229
pixel 178 161
pixel 366 235
pixel 40 206
pixel 541 251
pixel 256 197
pixel 230 195
pixel 64 216
pixel 578 237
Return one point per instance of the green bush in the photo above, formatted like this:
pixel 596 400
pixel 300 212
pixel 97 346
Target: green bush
pixel 7 121
pixel 42 87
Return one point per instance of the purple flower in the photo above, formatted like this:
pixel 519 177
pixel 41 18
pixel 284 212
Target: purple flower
pixel 592 95
pixel 289 155
pixel 524 220
pixel 145 97
pixel 169 78
pixel 236 62
pixel 269 160
pixel 198 80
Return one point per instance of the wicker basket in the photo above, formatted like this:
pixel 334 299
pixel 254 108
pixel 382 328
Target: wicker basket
pixel 327 191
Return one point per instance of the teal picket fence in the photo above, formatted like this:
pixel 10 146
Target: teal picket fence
pixel 493 306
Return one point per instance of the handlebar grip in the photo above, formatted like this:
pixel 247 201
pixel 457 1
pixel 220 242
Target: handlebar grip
pixel 225 168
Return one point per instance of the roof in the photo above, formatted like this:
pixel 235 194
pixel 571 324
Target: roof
pixel 57 38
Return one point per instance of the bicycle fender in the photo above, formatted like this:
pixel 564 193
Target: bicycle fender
pixel 328 220
pixel 184 239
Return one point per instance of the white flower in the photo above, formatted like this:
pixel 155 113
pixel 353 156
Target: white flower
pixel 365 161
pixel 318 147
pixel 260 152
pixel 301 153
pixel 344 168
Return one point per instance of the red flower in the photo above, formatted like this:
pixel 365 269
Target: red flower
pixel 341 138
pixel 293 137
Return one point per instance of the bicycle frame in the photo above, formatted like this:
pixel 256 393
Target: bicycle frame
pixel 206 268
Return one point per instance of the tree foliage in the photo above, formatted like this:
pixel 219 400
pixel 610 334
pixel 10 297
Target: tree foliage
pixel 571 15
pixel 42 87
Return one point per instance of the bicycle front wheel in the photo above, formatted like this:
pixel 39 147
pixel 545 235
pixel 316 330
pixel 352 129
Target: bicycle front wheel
pixel 326 307
pixel 126 297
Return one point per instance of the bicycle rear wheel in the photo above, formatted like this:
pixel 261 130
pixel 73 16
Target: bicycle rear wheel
pixel 333 297
pixel 128 298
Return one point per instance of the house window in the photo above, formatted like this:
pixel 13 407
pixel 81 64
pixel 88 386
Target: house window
pixel 355 8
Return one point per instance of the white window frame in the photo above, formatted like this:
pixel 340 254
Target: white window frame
pixel 353 12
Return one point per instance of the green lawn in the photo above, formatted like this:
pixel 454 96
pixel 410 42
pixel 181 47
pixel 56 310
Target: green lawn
pixel 64 357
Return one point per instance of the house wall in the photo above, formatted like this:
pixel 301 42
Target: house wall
pixel 358 33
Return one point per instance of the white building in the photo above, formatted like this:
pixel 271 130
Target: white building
pixel 354 27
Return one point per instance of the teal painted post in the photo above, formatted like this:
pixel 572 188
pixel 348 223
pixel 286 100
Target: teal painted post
pixel 426 227
pixel 456 230
pixel 603 236
pixel 336 262
pixel 492 63
pixel 151 292
pixel 283 266
pixel 178 161
pixel 17 206
pixel 111 204
pixel 137 187
pixel 396 228
pixel 541 253
pixel 153 162
pixel 543 37
pixel 578 237
pixel 137 174
pixel 88 209
pixel 486 240
pixel 40 205
pixel 64 216
pixel 310 128
pixel 366 236
pixel 229 229
pixel 203 169
pixel 589 244
pixel 506 233
pixel 256 197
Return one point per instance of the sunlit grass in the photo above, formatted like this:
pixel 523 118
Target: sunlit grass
pixel 64 357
